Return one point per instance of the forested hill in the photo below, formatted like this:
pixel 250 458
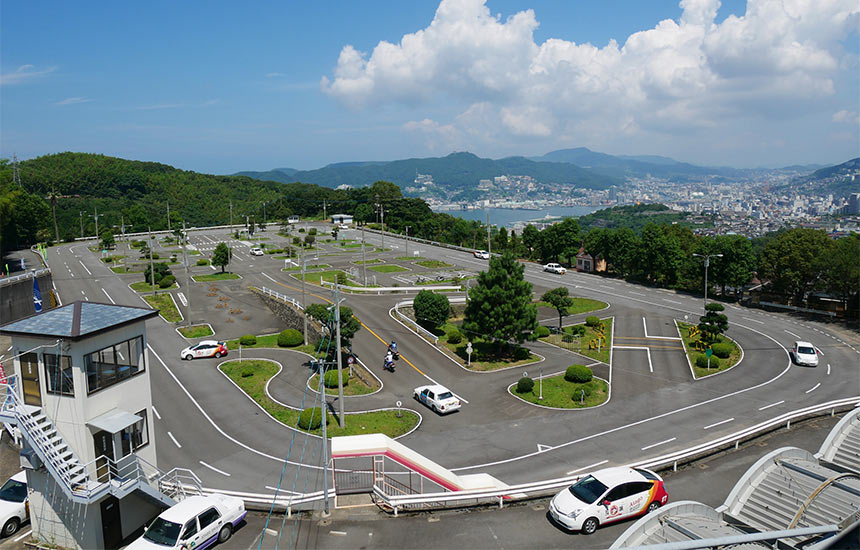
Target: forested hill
pixel 840 180
pixel 634 217
pixel 456 172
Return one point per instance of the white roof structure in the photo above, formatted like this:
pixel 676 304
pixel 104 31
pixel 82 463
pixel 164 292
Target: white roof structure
pixel 842 446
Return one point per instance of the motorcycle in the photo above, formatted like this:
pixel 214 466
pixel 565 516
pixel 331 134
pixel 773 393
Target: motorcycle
pixel 388 364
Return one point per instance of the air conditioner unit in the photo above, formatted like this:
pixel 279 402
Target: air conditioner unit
pixel 29 459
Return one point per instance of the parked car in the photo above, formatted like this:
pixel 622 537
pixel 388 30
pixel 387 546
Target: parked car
pixel 14 504
pixel 343 226
pixel 256 251
pixel 804 353
pixel 196 522
pixel 438 398
pixel 206 348
pixel 606 496
pixel 482 254
pixel 555 268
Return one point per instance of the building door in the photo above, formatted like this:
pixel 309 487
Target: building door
pixel 30 379
pixel 111 526
pixel 103 443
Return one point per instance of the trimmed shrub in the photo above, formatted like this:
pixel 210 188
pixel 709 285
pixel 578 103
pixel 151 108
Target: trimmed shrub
pixel 455 337
pixel 248 340
pixel 702 361
pixel 167 281
pixel 577 330
pixel 521 353
pixel 290 338
pixel 722 350
pixel 330 379
pixel 592 320
pixel 310 419
pixel 247 371
pixel 578 374
pixel 541 331
pixel 525 385
pixel 156 256
pixel 202 261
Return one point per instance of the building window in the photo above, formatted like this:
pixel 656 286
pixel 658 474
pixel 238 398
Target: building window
pixel 113 364
pixel 58 374
pixel 135 436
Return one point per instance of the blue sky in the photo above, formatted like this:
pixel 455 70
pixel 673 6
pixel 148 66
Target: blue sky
pixel 225 86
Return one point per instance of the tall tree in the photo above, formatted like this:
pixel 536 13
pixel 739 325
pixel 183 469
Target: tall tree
pixel 843 269
pixel 531 239
pixel 713 323
pixel 221 256
pixel 794 261
pixel 560 299
pixel 431 309
pixel 499 307
pixel 53 197
pixel 349 325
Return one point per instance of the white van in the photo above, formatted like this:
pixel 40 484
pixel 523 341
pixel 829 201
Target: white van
pixel 293 219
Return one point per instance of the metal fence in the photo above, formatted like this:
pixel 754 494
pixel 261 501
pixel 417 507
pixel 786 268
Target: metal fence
pixel 279 296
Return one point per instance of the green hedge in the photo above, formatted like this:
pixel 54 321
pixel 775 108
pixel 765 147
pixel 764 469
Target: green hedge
pixel 167 281
pixel 702 361
pixel 541 331
pixel 455 337
pixel 578 374
pixel 592 320
pixel 290 338
pixel 330 379
pixel 521 353
pixel 310 419
pixel 722 350
pixel 202 261
pixel 525 385
pixel 248 340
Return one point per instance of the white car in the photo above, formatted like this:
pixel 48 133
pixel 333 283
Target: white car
pixel 805 354
pixel 343 226
pixel 256 251
pixel 14 503
pixel 206 348
pixel 438 398
pixel 606 496
pixel 555 268
pixel 196 522
pixel 482 254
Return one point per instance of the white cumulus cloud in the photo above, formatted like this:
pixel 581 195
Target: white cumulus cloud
pixel 24 74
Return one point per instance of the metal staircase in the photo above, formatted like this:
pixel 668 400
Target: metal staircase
pixel 86 483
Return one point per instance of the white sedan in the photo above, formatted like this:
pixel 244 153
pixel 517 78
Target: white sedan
pixel 438 398
pixel 14 504
pixel 196 522
pixel 206 348
pixel 481 254
pixel 555 268
pixel 805 354
pixel 256 251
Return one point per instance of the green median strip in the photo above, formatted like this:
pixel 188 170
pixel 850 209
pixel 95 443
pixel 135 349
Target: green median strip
pixel 561 394
pixel 215 277
pixel 164 303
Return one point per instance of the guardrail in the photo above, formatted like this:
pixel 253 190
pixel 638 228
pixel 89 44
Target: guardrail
pixel 23 276
pixel 280 296
pixel 543 488
pixel 380 289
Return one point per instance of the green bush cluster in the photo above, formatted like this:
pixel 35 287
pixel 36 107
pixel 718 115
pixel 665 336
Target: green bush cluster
pixel 702 361
pixel 290 338
pixel 202 261
pixel 521 353
pixel 576 330
pixel 541 331
pixel 455 337
pixel 310 419
pixel 588 388
pixel 525 385
pixel 578 374
pixel 247 372
pixel 167 281
pixel 592 320
pixel 722 349
pixel 138 244
pixel 330 379
pixel 247 340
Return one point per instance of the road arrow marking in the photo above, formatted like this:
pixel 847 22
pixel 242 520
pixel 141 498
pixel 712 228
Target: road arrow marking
pixel 182 299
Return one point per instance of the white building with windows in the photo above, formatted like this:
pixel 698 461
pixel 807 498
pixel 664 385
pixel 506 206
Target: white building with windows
pixel 80 396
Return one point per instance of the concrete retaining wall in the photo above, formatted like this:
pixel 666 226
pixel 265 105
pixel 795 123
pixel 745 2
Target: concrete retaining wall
pixel 291 317
pixel 16 297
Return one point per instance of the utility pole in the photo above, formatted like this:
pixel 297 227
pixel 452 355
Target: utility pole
pixel 151 268
pixel 489 244
pixel 122 225
pixel 96 216
pixel 304 306
pixel 82 223
pixel 341 420
pixel 324 216
pixel 382 218
pixel 363 257
pixel 231 216
pixel 187 274
pixel 264 213
pixel 707 262
pixel 324 441
pixel 168 215
pixel 407 241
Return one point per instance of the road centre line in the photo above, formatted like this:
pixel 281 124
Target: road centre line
pixel 214 469
pixel 771 405
pixel 673 301
pixel 813 388
pixel 715 424
pixel 108 296
pixel 174 440
pixel 753 320
pixel 85 267
pixel 158 416
pixel 828 371
pixel 793 334
pixel 660 443
pixel 590 466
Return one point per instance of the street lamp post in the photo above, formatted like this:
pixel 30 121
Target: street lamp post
pixel 707 262
pixel 304 306
pixel 407 241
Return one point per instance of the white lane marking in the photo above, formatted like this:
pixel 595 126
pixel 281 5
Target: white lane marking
pixel 660 443
pixel 645 327
pixel 82 293
pixel 542 448
pixel 185 302
pixel 673 301
pixel 636 293
pixel 158 416
pixel 771 405
pixel 212 266
pixel 214 469
pixel 174 440
pixel 27 534
pixel 828 369
pixel 715 424
pixel 111 300
pixel 590 466
pixel 793 334
pixel 813 388
pixel 85 267
pixel 338 533
pixel 274 281
pixel 753 320
pixel 282 490
pixel 647 351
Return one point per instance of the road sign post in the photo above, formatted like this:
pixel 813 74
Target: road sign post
pixel 708 353
pixel 469 354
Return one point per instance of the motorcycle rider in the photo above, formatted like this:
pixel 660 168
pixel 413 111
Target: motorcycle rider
pixel 389 361
pixel 392 349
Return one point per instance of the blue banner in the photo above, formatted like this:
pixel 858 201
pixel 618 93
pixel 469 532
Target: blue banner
pixel 37 296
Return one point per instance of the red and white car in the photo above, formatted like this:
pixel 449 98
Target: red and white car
pixel 607 496
pixel 206 348
pixel 438 398
pixel 482 254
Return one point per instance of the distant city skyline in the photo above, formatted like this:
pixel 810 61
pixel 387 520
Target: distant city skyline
pixel 220 87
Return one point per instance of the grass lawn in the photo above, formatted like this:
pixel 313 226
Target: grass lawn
pixel 484 354
pixel 259 372
pixel 143 286
pixel 215 277
pixel 388 268
pixel 164 303
pixel 559 393
pixel 318 276
pixel 125 269
pixel 371 261
pixel 410 258
pixel 352 385
pixel 580 305
pixel 689 344
pixel 350 245
pixel 581 344
pixel 196 331
pixel 312 266
pixel 430 264
pixel 112 259
pixel 270 341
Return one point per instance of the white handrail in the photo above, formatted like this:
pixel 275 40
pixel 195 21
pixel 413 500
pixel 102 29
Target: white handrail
pixel 280 296
pixel 381 289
